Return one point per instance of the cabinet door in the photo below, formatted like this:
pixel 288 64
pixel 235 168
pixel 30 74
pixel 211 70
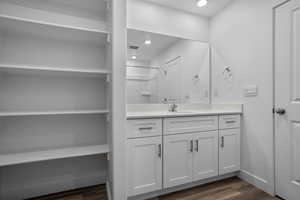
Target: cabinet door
pixel 229 151
pixel 178 159
pixel 205 161
pixel 144 165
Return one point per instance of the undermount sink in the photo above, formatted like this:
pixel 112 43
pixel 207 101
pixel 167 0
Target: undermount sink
pixel 182 112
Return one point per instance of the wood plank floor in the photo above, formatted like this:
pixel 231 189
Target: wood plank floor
pixel 229 189
pixel 92 193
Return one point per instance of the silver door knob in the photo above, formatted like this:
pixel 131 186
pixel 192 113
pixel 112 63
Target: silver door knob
pixel 280 111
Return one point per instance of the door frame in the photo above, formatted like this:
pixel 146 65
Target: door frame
pixel 276 4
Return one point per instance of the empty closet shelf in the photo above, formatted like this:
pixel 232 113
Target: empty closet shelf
pixel 62 112
pixel 38 156
pixel 90 31
pixel 58 71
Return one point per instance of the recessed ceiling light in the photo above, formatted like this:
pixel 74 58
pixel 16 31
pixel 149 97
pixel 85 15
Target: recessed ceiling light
pixel 133 57
pixel 201 3
pixel 147 42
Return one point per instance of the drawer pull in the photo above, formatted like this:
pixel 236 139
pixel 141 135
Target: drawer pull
pixel 145 128
pixel 159 150
pixel 230 122
pixel 222 142
pixel 197 146
pixel 192 146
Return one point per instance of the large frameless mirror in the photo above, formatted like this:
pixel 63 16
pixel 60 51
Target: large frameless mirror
pixel 166 69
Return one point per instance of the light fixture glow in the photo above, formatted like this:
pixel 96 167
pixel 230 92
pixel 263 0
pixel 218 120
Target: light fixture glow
pixel 201 3
pixel 148 42
pixel 133 57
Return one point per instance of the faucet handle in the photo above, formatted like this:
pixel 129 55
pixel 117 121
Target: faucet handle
pixel 173 107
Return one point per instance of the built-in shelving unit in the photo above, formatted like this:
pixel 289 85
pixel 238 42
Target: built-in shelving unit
pixel 55 68
pixel 30 157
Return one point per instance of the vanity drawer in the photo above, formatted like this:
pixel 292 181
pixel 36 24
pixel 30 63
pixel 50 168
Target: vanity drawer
pixel 190 124
pixel 143 128
pixel 229 121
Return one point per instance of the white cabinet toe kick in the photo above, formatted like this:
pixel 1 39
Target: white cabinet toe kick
pixel 164 153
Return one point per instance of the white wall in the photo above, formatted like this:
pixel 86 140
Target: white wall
pixel 242 38
pixel 150 17
pixel 118 103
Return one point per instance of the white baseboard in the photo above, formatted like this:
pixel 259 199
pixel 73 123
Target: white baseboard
pixel 108 190
pixel 257 181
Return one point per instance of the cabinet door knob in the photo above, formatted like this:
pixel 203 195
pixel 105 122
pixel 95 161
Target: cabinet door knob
pixel 230 122
pixel 192 146
pixel 159 150
pixel 280 111
pixel 145 128
pixel 222 142
pixel 197 146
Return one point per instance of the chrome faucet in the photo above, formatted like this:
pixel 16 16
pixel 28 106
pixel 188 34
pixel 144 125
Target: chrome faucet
pixel 173 108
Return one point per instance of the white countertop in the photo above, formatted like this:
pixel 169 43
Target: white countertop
pixel 164 114
pixel 185 110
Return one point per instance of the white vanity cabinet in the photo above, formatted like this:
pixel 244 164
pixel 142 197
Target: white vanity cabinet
pixel 190 149
pixel 190 157
pixel 144 165
pixel 172 151
pixel 205 162
pixel 144 156
pixel 143 128
pixel 178 159
pixel 179 125
pixel 229 139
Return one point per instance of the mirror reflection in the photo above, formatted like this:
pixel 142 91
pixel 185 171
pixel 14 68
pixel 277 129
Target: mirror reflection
pixel 166 69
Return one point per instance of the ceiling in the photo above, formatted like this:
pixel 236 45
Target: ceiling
pixel 212 8
pixel 148 52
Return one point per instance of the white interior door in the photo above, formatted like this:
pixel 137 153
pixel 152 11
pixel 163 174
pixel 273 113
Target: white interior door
pixel 144 165
pixel 287 98
pixel 178 159
pixel 206 155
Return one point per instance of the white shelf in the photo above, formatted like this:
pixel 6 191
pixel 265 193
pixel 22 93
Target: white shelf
pixel 38 113
pixel 11 68
pixel 22 158
pixel 138 78
pixel 99 29
pixel 29 14
pixel 96 34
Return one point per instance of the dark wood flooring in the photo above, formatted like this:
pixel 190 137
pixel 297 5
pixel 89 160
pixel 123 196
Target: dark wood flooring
pixel 229 189
pixel 92 193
